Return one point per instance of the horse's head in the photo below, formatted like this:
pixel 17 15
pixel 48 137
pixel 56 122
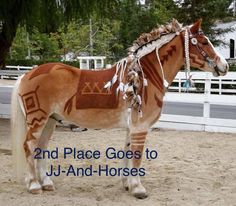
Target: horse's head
pixel 202 53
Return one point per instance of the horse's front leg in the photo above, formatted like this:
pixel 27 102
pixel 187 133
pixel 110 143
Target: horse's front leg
pixel 126 160
pixel 136 146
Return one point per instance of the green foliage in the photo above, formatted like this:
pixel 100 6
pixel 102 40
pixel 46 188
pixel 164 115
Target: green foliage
pixel 136 19
pixel 209 11
pixel 46 15
pixel 73 37
pixel 103 35
pixel 20 45
pixel 105 39
pixel 41 45
pixel 57 27
pixel 44 45
pixel 232 68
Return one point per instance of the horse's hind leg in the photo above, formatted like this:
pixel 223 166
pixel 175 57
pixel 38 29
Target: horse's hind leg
pixel 31 143
pixel 45 181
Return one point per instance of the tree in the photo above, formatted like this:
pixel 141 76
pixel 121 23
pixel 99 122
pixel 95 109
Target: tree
pixel 116 23
pixel 104 35
pixel 191 10
pixel 43 45
pixel 35 45
pixel 105 38
pixel 43 14
pixel 136 18
pixel 20 45
pixel 74 37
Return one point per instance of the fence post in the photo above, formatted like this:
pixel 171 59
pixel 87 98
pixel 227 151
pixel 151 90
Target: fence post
pixel 220 86
pixel 80 63
pixel 87 63
pixel 206 105
pixel 95 63
pixel 179 85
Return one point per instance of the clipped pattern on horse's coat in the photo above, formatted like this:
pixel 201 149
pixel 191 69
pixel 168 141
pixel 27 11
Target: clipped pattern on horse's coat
pixel 45 69
pixel 91 92
pixel 32 105
pixel 165 57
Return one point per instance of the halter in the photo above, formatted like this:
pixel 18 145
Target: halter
pixel 192 37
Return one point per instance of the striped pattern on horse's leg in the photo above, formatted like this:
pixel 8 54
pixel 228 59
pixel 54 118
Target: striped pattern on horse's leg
pixel 137 144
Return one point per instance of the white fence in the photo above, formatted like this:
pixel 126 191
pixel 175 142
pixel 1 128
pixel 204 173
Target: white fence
pixel 225 97
pixel 206 83
pixel 14 71
pixel 91 62
pixel 85 62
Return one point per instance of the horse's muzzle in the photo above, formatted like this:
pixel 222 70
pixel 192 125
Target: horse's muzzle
pixel 221 71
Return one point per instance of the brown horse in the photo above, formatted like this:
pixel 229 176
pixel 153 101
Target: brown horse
pixel 128 95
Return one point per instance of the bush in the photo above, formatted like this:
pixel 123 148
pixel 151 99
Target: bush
pixel 232 68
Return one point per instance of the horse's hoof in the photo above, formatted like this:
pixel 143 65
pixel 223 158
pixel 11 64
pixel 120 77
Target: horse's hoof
pixel 48 187
pixel 47 184
pixel 36 191
pixel 139 192
pixel 140 195
pixel 35 188
pixel 126 188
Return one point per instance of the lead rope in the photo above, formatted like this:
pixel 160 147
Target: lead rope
pixel 186 51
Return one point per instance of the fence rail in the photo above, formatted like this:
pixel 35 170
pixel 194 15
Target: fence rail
pixel 213 91
pixel 231 60
pixel 206 82
pixel 14 71
pixel 203 122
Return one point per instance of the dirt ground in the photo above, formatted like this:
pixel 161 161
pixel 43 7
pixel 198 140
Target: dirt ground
pixel 7 82
pixel 192 168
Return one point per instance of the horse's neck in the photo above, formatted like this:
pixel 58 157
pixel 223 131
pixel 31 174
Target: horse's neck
pixel 172 58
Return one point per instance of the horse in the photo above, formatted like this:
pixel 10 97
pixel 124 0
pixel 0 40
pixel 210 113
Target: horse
pixel 128 95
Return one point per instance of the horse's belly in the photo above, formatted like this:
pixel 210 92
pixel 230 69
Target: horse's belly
pixel 99 118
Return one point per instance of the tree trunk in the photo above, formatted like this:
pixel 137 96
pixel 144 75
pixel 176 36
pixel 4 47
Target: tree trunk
pixel 7 36
pixel 4 49
pixel 9 27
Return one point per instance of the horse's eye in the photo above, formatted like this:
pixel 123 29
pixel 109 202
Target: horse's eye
pixel 205 43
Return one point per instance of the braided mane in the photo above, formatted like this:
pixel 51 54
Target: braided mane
pixel 146 38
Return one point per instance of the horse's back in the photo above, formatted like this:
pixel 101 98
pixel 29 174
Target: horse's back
pixel 49 70
pixel 49 76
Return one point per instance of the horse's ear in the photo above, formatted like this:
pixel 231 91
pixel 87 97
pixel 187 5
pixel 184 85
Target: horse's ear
pixel 197 25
